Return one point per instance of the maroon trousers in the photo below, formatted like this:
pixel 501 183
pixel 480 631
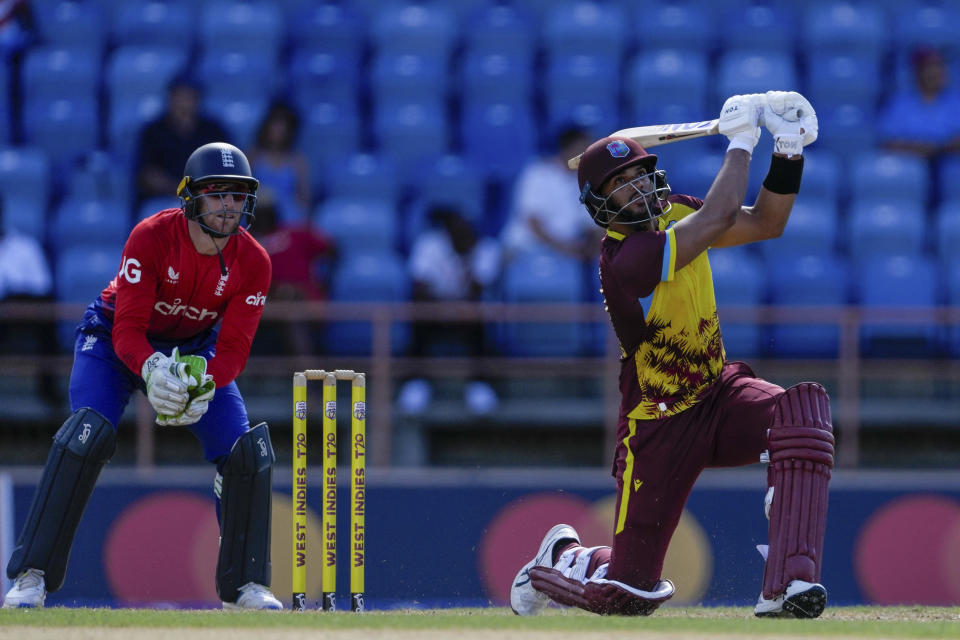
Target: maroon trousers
pixel 658 461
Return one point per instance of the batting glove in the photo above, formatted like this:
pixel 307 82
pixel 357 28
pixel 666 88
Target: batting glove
pixel 739 120
pixel 792 121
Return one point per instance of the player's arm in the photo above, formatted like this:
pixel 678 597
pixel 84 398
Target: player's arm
pixel 793 123
pixel 240 321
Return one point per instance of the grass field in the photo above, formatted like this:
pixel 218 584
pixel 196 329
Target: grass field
pixel 670 623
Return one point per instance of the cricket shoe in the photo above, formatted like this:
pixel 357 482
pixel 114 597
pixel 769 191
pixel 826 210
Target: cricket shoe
pixel 800 600
pixel 28 590
pixel 254 596
pixel 524 599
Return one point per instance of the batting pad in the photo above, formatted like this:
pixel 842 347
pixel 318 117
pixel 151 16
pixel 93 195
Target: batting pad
pixel 801 457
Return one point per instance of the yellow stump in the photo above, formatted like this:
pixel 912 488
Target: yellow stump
pixel 299 510
pixel 358 491
pixel 328 576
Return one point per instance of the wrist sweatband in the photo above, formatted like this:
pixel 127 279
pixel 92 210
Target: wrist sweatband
pixel 784 175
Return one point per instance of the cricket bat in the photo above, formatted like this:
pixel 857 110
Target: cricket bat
pixel 657 134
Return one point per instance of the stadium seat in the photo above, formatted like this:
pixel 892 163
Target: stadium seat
pixel 822 175
pixel 6 106
pixel 891 175
pixel 154 205
pixel 127 118
pixel 332 27
pixel 429 28
pixel 897 280
pixel 405 77
pixel 133 71
pixel 835 79
pixel 758 27
pixel 738 280
pixel 807 280
pixel 367 277
pixel 100 176
pixel 585 27
pixel 950 264
pixel 360 174
pixel 496 75
pixel 255 27
pixel 241 117
pixel 498 136
pixel 879 226
pixel 235 75
pixel 153 23
pixel 949 178
pixel 690 26
pixel 90 223
pixel 63 128
pixel 753 72
pixel 811 229
pixel 678 77
pixel 948 229
pixel 324 76
pixel 358 222
pixel 537 277
pixel 851 127
pixel 447 179
pixel 25 186
pixel 928 25
pixel 693 169
pixel 73 25
pixel 571 92
pixel 49 73
pixel 80 274
pixel 844 27
pixel 509 29
pixel 328 130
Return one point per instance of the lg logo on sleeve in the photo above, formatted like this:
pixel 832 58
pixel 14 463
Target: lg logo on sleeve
pixel 130 270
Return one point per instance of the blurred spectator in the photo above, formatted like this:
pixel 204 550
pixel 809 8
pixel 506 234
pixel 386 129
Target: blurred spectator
pixel 922 119
pixel 25 277
pixel 546 211
pixel 299 255
pixel 450 262
pixel 282 170
pixel 16 28
pixel 167 142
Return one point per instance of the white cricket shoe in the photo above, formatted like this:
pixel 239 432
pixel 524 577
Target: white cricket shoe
pixel 28 590
pixel 800 600
pixel 524 599
pixel 254 596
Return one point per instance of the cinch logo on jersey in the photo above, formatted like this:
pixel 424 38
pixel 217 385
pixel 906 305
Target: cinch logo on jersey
pixel 226 156
pixel 257 301
pixel 175 308
pixel 172 276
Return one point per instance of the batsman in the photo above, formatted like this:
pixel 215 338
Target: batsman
pixel 177 323
pixel 684 407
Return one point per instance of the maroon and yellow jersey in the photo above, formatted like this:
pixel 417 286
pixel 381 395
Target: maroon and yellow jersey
pixel 666 320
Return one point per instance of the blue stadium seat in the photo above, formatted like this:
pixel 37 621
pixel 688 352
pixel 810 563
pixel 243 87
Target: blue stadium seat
pixel 228 76
pixel 949 178
pixel 812 229
pixel 498 136
pixel 841 26
pixel 6 106
pixel 57 72
pixel 852 128
pixel 328 130
pixel 126 120
pixel 333 27
pixel 90 223
pixel 542 278
pixel 154 23
pixel 738 279
pixel 358 222
pixel 690 26
pixel 948 229
pixel 692 169
pixel 74 25
pixel 822 172
pixel 506 28
pixel 585 27
pixel 758 27
pixel 415 27
pixel 753 72
pixel 897 280
pixel 881 226
pixel 240 117
pixel 896 176
pixel 133 71
pixel 64 128
pixel 252 26
pixel 324 76
pixel 100 176
pixel 928 25
pixel 951 267
pixel 405 77
pixel 367 277
pixel 154 205
pixel 835 79
pixel 572 92
pixel 360 174
pixel 678 77
pixel 447 179
pixel 807 280
pixel 496 75
pixel 25 186
pixel 80 274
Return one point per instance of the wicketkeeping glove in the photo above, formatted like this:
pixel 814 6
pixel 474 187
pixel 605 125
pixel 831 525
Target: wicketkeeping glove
pixel 167 381
pixel 739 120
pixel 200 390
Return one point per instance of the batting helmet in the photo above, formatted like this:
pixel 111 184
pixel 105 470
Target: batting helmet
pixel 211 165
pixel 609 156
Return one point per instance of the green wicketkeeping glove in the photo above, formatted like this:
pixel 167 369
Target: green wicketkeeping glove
pixel 200 390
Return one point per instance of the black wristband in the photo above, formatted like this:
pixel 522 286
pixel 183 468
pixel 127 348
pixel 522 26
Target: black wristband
pixel 784 175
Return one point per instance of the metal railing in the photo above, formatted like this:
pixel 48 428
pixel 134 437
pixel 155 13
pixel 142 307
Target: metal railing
pixel 384 368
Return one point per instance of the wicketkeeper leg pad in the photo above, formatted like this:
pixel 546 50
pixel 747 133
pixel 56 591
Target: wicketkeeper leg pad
pixel 81 447
pixel 599 595
pixel 245 513
pixel 801 449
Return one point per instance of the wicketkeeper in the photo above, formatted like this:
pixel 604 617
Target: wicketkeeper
pixel 684 407
pixel 177 323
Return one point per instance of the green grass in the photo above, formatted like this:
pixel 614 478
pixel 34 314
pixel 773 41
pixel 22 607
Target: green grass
pixel 887 622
